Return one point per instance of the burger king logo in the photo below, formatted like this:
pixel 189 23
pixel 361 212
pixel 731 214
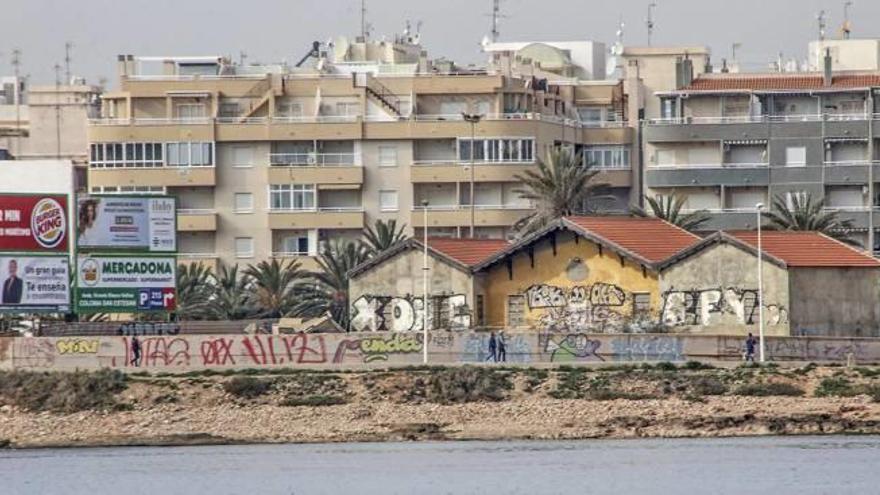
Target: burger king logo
pixel 48 223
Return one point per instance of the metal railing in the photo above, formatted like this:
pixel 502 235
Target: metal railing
pixel 320 209
pixel 314 159
pixel 291 254
pixel 197 256
pixel 749 119
pixel 464 163
pixel 689 166
pixel 467 207
pixel 196 211
pixel 152 121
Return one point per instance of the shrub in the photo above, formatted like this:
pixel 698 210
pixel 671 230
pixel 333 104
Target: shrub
pixel 63 392
pixel 467 384
pixel 697 365
pixel 837 386
pixel 247 387
pixel 873 391
pixel 768 389
pixel 868 372
pixel 665 366
pixel 707 385
pixel 313 400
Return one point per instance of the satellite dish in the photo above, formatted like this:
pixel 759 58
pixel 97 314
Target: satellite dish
pixel 340 46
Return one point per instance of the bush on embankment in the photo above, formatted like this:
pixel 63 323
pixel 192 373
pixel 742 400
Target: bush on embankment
pixel 467 384
pixel 62 392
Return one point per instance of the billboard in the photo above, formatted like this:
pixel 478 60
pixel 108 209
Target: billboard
pixel 126 223
pixel 34 284
pixel 33 222
pixel 118 284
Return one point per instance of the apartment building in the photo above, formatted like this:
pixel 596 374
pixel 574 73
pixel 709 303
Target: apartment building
pixel 47 122
pixel 268 161
pixel 726 142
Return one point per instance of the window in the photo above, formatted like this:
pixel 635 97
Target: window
pixel 792 197
pixel 244 247
pixel 290 109
pixel 795 156
pixel 190 111
pixel 641 304
pixel 228 109
pixel 667 108
pixel 128 155
pixel 497 150
pixel 387 156
pixel 590 115
pixel 348 109
pixel 292 197
pixel 388 200
pixel 296 244
pixel 244 203
pixel 516 310
pixel 452 107
pixel 481 308
pixel 606 156
pixel 190 154
pixel 242 156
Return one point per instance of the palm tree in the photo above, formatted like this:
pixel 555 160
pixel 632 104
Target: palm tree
pixel 329 291
pixel 562 186
pixel 383 236
pixel 273 286
pixel 801 212
pixel 230 299
pixel 669 208
pixel 194 290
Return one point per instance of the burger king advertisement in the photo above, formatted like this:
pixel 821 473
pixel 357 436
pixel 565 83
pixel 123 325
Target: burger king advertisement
pixel 120 284
pixel 33 223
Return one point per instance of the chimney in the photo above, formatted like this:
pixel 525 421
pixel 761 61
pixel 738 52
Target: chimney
pixel 708 67
pixel 684 72
pixel 121 65
pixel 132 66
pixel 829 74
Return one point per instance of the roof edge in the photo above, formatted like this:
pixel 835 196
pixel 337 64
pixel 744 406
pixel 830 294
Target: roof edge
pixel 719 237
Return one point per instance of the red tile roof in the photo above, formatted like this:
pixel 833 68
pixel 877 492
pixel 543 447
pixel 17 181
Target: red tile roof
pixel 780 82
pixel 807 249
pixel 468 252
pixel 649 238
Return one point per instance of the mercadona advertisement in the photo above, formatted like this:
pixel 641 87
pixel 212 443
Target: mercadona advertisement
pixel 116 284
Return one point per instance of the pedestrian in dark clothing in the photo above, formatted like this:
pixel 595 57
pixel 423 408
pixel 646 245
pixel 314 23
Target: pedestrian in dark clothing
pixel 502 348
pixel 493 348
pixel 750 348
pixel 135 351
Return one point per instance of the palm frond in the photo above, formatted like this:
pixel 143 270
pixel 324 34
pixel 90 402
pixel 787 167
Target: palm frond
pixel 802 212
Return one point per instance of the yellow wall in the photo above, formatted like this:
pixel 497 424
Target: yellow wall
pixel 599 298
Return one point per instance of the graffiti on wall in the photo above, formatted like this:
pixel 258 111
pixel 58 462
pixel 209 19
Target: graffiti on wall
pixel 372 313
pixel 717 306
pixel 77 346
pixel 648 348
pixel 378 348
pixel 475 348
pixel 563 348
pixel 599 307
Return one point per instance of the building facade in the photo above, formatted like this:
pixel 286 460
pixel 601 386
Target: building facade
pixel 268 161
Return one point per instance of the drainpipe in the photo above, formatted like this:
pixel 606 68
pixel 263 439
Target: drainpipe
pixel 870 118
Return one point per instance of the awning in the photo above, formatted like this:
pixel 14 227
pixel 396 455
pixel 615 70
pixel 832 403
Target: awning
pixel 334 187
pixel 746 142
pixel 846 140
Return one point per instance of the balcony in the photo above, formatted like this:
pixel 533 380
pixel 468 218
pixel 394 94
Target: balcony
pixel 335 169
pixel 460 215
pixel 306 262
pixel 158 176
pixel 196 220
pixel 151 129
pixel 739 174
pixel 457 171
pixel 318 218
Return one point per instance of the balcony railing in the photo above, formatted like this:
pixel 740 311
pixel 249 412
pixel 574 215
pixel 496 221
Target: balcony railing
pixel 851 163
pixel 152 121
pixel 688 166
pixel 314 159
pixel 196 211
pixel 199 256
pixel 464 163
pixel 290 254
pixel 467 207
pixel 321 209
pixel 748 119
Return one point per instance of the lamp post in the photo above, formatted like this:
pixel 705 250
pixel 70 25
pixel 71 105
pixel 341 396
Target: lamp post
pixel 425 282
pixel 758 209
pixel 473 119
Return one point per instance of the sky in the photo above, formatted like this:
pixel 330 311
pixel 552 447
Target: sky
pixel 277 30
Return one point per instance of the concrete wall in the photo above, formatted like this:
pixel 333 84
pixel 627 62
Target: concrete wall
pixel 718 288
pixel 835 301
pixel 201 352
pixel 579 287
pixel 388 296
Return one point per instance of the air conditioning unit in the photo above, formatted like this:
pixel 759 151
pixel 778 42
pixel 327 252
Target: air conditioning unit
pixel 312 159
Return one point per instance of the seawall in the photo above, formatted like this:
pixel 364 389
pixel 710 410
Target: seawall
pixel 201 352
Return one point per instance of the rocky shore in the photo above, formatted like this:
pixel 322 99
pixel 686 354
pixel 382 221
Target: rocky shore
pixel 104 409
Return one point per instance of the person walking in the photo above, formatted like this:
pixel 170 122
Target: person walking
pixel 502 348
pixel 493 348
pixel 751 342
pixel 135 351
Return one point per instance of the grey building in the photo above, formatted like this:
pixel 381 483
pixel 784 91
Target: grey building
pixel 726 142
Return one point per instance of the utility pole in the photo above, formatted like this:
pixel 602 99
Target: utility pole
pixel 16 65
pixel 649 23
pixel 67 47
pixel 57 111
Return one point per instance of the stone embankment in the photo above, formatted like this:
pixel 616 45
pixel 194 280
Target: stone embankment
pixel 661 400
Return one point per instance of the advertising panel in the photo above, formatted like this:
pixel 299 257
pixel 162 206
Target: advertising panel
pixel 30 284
pixel 117 284
pixel 33 222
pixel 126 223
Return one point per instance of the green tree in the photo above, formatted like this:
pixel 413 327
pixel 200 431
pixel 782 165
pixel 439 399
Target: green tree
pixel 669 208
pixel 195 287
pixel 382 236
pixel 802 212
pixel 562 186
pixel 230 300
pixel 328 292
pixel 273 286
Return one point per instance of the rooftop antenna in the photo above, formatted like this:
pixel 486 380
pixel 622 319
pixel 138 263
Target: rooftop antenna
pixel 496 17
pixel 57 111
pixel 242 58
pixel 67 47
pixel 364 25
pixel 821 18
pixel 16 65
pixel 620 28
pixel 649 23
pixel 733 48
pixel 846 29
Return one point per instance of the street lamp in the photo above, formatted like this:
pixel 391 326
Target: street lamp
pixel 473 119
pixel 758 209
pixel 425 283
